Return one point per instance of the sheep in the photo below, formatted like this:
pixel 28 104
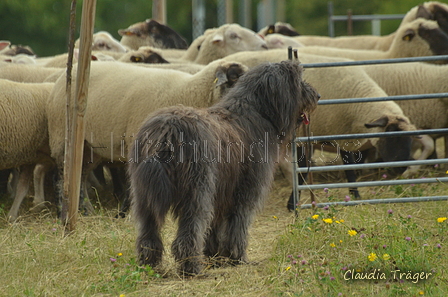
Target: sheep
pixel 276 40
pixel 13 50
pixel 188 55
pixel 152 33
pixel 61 59
pixel 18 59
pixel 219 42
pixel 29 73
pixel 418 38
pixel 190 68
pixel 279 28
pixel 432 10
pixel 145 54
pixel 121 95
pixel 104 41
pixel 346 82
pixel 416 78
pixel 226 40
pixel 24 137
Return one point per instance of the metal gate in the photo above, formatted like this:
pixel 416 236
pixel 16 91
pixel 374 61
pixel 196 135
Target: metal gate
pixel 297 170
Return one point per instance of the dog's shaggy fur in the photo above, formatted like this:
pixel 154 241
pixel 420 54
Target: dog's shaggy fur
pixel 213 167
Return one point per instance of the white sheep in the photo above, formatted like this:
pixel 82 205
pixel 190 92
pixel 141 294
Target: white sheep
pixel 417 78
pixel 220 42
pixel 151 33
pixel 61 59
pixel 275 40
pixel 343 82
pixel 24 136
pixel 191 68
pixel 29 73
pixel 188 54
pixel 418 38
pixel 121 96
pixel 371 42
pixel 18 59
pixel 104 41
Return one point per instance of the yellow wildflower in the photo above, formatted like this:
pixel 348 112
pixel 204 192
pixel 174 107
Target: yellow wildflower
pixel 386 257
pixel 287 268
pixel 372 257
pixel 352 232
pixel 341 220
pixel 340 241
pixel 337 222
pixel 441 220
pixel 328 221
pixel 315 217
pixel 332 244
pixel 421 293
pixel 120 254
pixel 122 295
pixel 275 217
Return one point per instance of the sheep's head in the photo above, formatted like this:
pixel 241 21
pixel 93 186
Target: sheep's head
pixel 226 75
pixel 103 41
pixel 420 38
pixel 144 55
pixel 233 38
pixel 280 28
pixel 277 40
pixel 397 148
pixel 152 33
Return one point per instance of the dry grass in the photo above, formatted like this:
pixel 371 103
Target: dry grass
pixel 36 259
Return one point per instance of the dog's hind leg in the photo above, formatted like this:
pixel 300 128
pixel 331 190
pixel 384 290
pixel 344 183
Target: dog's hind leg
pixel 194 217
pixel 149 242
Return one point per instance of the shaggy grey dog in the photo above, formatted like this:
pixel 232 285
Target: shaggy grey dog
pixel 213 167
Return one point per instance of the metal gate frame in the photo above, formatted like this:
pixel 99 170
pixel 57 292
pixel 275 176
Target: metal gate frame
pixel 296 170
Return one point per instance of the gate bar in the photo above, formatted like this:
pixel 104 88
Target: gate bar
pixel 377 201
pixel 374 183
pixel 370 165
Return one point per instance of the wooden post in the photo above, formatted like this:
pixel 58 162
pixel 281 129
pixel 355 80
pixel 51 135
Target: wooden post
pixel 75 147
pixel 349 22
pixel 159 11
pixel 229 11
pixel 69 107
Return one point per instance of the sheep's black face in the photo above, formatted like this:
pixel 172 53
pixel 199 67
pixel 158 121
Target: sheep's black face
pixel 395 149
pixel 436 38
pixel 441 16
pixel 165 36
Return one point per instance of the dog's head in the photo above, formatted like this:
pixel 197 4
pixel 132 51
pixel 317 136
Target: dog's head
pixel 279 94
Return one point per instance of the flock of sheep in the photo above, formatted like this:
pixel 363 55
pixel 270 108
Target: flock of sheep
pixel 153 67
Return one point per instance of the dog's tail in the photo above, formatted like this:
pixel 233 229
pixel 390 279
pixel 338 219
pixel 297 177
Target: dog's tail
pixel 167 168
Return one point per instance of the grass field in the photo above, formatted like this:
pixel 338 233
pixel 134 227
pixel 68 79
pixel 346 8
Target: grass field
pixel 323 252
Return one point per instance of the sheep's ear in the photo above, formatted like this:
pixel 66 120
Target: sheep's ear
pixel 422 12
pixel 218 38
pixel 127 32
pixel 381 122
pixel 136 59
pixel 221 76
pixel 408 35
pixel 4 44
pixel 271 29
